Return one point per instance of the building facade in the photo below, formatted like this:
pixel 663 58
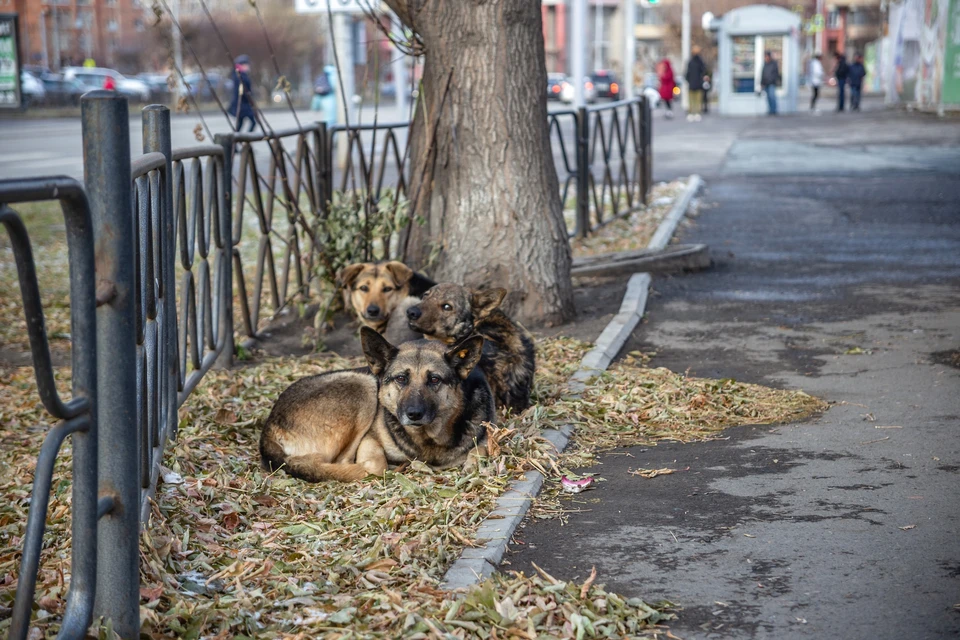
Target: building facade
pixel 57 33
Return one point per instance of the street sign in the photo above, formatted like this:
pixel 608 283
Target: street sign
pixel 9 62
pixel 336 6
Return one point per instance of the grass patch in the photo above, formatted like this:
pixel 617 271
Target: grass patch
pixel 45 227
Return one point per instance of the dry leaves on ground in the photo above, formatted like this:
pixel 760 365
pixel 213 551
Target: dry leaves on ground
pixel 235 551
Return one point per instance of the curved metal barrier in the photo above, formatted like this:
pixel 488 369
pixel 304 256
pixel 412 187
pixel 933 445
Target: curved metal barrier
pixel 141 344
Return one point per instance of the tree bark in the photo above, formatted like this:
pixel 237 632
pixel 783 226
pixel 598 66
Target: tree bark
pixel 482 173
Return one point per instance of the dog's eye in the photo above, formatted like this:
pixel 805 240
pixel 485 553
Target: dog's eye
pixel 401 379
pixel 364 288
pixel 434 380
pixel 447 307
pixel 387 289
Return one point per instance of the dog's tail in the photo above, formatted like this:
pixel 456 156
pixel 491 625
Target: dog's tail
pixel 315 468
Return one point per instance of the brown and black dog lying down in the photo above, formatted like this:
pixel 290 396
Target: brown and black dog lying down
pixel 449 313
pixel 420 401
pixel 380 293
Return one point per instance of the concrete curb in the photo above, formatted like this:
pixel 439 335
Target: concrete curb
pixel 475 564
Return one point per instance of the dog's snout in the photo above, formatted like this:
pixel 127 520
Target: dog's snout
pixel 414 313
pixel 415 414
pixel 373 311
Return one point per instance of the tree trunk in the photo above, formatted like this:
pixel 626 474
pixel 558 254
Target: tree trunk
pixel 482 173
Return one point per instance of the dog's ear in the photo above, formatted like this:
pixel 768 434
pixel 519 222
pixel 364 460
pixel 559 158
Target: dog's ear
pixel 484 302
pixel 401 273
pixel 377 350
pixel 465 355
pixel 349 274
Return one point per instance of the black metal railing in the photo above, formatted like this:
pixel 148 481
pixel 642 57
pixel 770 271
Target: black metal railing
pixel 210 217
pixel 78 415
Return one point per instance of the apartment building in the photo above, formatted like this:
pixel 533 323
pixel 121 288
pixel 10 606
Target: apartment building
pixel 55 33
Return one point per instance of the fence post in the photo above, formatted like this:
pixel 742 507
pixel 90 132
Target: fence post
pixel 647 149
pixel 106 154
pixel 225 359
pixel 156 137
pixel 583 173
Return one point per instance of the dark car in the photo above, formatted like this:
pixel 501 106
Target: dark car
pixel 606 84
pixel 203 89
pixel 60 92
pixel 555 82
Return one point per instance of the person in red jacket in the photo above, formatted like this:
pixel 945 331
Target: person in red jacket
pixel 667 84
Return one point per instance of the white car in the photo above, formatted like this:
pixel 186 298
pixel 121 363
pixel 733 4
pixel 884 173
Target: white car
pixel 94 77
pixel 589 92
pixel 31 89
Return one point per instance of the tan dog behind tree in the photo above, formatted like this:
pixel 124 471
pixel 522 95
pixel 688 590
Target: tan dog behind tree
pixel 449 313
pixel 375 290
pixel 420 401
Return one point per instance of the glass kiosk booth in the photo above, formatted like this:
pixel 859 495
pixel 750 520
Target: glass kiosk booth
pixel 743 35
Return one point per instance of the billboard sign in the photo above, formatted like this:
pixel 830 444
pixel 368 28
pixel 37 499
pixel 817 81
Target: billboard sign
pixel 336 6
pixel 9 63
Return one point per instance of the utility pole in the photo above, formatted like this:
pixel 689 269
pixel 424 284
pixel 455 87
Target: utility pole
pixel 346 113
pixel 823 24
pixel 56 39
pixel 578 22
pixel 598 36
pixel 685 47
pixel 629 47
pixel 45 58
pixel 177 49
pixel 400 85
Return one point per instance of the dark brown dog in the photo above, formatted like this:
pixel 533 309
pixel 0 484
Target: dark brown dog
pixel 419 401
pixel 449 313
pixel 374 290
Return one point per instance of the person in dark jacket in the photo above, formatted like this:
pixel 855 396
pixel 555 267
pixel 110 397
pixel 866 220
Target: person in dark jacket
pixel 856 74
pixel 241 104
pixel 696 70
pixel 769 79
pixel 841 73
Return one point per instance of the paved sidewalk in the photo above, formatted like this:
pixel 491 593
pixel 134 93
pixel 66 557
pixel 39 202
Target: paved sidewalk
pixel 840 280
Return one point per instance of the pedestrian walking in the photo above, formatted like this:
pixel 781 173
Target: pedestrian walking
pixel 816 79
pixel 667 84
pixel 769 79
pixel 855 76
pixel 325 95
pixel 841 73
pixel 241 104
pixel 696 70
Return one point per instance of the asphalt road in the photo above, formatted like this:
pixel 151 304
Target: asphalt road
pixel 837 248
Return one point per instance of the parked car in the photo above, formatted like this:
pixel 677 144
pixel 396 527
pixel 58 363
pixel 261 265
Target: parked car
pixel 158 85
pixel 606 84
pixel 32 91
pixel 204 89
pixel 567 91
pixel 61 92
pixel 95 77
pixel 555 82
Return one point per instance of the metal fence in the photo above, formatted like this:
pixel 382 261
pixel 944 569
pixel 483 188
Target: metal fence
pixel 162 247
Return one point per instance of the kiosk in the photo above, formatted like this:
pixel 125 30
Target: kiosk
pixel 743 35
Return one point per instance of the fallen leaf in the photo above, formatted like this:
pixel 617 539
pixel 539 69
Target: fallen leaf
pixel 908 527
pixel 651 473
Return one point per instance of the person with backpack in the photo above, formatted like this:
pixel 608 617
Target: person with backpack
pixel 842 72
pixel 856 74
pixel 325 95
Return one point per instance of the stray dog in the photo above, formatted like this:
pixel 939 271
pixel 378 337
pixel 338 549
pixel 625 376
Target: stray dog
pixel 374 290
pixel 420 401
pixel 449 313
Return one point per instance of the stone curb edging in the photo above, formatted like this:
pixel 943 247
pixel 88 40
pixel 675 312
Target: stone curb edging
pixel 478 563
